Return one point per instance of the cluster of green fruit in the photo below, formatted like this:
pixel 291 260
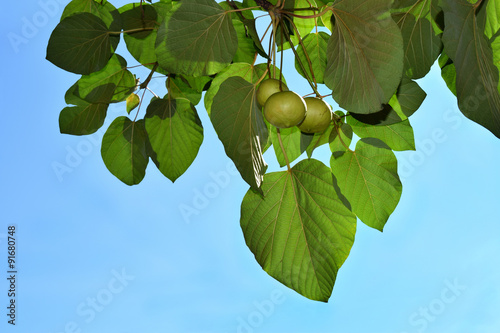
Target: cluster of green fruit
pixel 284 108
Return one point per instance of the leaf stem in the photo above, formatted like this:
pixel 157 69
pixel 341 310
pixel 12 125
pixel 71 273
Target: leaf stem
pixel 146 82
pixel 130 31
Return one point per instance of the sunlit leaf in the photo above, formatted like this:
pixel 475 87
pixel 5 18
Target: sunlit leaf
pixel 112 84
pixel 398 136
pixel 318 140
pixel 246 71
pixel 132 102
pixel 175 133
pixel 141 24
pixel 314 46
pixel 291 139
pixel 123 150
pixel 368 178
pixel 300 232
pixel 448 72
pixel 340 139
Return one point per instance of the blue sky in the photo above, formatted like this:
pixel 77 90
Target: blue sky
pixel 95 255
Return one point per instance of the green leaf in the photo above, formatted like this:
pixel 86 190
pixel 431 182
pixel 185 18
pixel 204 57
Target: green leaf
pixel 448 72
pixel 304 25
pixel 318 140
pixel 197 39
pixel 244 25
pixel 123 150
pixel 492 18
pixel 132 102
pixel 142 25
pixel 477 76
pixel 300 232
pixel 291 138
pixel 315 45
pixel 179 87
pixel 408 98
pixel 422 44
pixel 246 49
pixel 82 119
pixel 398 136
pixel 240 126
pixel 175 133
pixel 364 55
pixel 402 105
pixel 340 139
pixel 81 44
pixel 368 178
pixel 105 11
pixel 112 84
pixel 250 73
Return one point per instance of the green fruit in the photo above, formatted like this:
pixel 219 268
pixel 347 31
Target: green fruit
pixel 267 88
pixel 318 116
pixel 285 109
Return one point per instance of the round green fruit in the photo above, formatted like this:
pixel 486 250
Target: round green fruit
pixel 285 109
pixel 267 88
pixel 318 116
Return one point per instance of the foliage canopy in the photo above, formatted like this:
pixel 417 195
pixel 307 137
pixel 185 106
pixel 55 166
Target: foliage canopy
pixel 300 222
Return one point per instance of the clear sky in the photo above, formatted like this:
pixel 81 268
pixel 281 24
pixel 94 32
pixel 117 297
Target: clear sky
pixel 97 256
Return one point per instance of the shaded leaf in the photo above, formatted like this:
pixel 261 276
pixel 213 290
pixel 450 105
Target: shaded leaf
pixel 368 178
pixel 82 119
pixel 300 232
pixel 81 44
pixel 175 133
pixel 240 126
pixel 422 43
pixel 364 55
pixel 402 105
pixel 197 39
pixel 123 150
pixel 477 77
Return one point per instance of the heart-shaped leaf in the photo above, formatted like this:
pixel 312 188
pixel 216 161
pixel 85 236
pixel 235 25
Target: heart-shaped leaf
pixel 364 55
pixel 197 39
pixel 175 133
pixel 81 44
pixel 299 231
pixel 123 150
